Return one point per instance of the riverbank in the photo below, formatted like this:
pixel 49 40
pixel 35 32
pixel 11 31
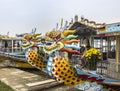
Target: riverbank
pixel 4 87
pixel 31 80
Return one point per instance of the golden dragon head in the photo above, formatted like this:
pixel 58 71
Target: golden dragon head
pixel 31 39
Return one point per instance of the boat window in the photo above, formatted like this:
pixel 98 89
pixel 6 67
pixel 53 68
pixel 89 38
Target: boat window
pixel 101 44
pixel 112 47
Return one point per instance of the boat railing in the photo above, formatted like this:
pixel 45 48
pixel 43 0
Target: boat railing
pixel 15 49
pixel 16 55
pixel 108 69
pixel 104 68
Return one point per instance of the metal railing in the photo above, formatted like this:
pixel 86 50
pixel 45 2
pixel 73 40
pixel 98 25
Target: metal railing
pixel 9 50
pixel 108 69
pixel 105 68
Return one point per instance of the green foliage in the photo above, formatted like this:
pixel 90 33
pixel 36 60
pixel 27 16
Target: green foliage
pixel 4 87
pixel 92 56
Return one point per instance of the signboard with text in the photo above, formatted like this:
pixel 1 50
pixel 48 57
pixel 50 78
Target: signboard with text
pixel 113 28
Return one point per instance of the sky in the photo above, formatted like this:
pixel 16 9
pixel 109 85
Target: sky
pixel 21 16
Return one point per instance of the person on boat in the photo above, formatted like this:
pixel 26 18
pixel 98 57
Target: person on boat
pixel 6 46
pixel 84 47
pixel 86 42
pixel 82 62
pixel 83 51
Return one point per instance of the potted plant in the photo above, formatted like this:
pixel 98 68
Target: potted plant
pixel 92 56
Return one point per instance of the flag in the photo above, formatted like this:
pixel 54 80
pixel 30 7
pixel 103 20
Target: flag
pixel 61 22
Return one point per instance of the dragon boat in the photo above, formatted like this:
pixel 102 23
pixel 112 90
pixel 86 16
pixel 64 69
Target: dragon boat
pixel 11 53
pixel 57 54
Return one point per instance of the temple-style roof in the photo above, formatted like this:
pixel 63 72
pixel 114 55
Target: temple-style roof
pixel 82 29
pixel 85 27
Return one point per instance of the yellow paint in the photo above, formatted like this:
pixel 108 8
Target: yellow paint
pixel 35 60
pixel 24 65
pixel 113 34
pixel 15 63
pixel 102 30
pixel 64 72
pixel 68 32
pixel 117 53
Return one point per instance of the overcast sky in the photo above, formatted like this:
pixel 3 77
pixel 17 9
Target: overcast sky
pixel 20 16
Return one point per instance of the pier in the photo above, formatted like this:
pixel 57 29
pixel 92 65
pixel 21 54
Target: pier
pixel 31 80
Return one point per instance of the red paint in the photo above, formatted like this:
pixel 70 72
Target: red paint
pixel 70 51
pixel 90 78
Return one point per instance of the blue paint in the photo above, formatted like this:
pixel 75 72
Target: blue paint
pixel 113 28
pixel 94 74
pixel 49 66
pixel 72 46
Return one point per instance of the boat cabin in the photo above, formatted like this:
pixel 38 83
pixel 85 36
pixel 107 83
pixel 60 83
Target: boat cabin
pixel 109 42
pixel 10 44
